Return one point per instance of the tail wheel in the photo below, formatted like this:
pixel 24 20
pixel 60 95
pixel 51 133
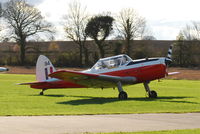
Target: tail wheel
pixel 123 95
pixel 152 94
pixel 42 92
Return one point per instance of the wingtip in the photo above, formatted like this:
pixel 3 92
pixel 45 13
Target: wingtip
pixel 173 73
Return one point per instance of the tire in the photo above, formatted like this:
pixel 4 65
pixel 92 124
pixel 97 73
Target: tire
pixel 41 93
pixel 152 94
pixel 123 96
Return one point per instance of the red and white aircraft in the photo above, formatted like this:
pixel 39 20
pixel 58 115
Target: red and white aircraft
pixel 108 72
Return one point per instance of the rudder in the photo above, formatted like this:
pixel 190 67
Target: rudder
pixel 44 67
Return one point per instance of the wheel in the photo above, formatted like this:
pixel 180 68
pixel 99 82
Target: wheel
pixel 152 94
pixel 123 95
pixel 42 93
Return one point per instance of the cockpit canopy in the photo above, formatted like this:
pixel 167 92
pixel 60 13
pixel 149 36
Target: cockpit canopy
pixel 112 62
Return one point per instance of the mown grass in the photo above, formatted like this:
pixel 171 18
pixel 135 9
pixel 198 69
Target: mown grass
pixel 177 96
pixel 186 131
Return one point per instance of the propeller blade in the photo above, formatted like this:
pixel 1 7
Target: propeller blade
pixel 168 59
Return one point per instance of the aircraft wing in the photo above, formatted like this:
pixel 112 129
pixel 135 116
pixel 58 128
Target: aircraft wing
pixel 91 80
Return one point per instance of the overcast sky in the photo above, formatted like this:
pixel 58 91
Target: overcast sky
pixel 164 17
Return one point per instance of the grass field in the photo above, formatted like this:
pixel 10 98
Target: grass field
pixel 174 96
pixel 187 131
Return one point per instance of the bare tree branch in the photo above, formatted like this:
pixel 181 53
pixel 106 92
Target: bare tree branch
pixel 25 21
pixel 130 26
pixel 191 31
pixel 75 24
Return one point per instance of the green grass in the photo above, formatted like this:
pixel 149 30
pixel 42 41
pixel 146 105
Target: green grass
pixel 174 96
pixel 187 131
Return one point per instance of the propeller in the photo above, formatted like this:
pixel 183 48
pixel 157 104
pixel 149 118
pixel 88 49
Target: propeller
pixel 168 59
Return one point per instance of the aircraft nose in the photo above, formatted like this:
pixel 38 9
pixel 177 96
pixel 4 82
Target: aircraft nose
pixel 168 61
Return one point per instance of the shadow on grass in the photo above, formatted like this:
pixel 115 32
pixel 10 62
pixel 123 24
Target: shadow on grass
pixel 89 101
pixel 97 100
pixel 56 95
pixel 52 95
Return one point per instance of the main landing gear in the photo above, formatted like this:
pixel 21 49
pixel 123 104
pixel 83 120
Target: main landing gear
pixel 122 94
pixel 42 92
pixel 151 93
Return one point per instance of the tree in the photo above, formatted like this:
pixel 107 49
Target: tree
pixel 130 26
pixel 0 19
pixel 1 13
pixel 148 38
pixel 0 10
pixel 24 21
pixel 183 51
pixel 75 25
pixel 99 28
pixel 187 49
pixel 179 49
pixel 191 31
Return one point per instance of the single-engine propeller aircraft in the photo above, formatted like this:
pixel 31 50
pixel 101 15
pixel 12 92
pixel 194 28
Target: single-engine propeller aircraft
pixel 108 72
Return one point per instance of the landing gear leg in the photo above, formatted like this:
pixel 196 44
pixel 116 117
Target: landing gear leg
pixel 122 94
pixel 151 93
pixel 42 92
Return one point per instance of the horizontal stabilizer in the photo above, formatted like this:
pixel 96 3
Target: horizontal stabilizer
pixel 32 83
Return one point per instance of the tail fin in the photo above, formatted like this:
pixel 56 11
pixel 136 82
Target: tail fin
pixel 44 67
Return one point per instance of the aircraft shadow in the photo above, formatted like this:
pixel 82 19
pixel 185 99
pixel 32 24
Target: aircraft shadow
pixel 102 100
pixel 52 95
pixel 55 95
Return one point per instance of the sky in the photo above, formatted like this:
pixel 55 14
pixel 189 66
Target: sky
pixel 165 18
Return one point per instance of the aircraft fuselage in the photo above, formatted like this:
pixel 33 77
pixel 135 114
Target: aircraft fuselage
pixel 144 70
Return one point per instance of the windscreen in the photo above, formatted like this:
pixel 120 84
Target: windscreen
pixel 109 63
